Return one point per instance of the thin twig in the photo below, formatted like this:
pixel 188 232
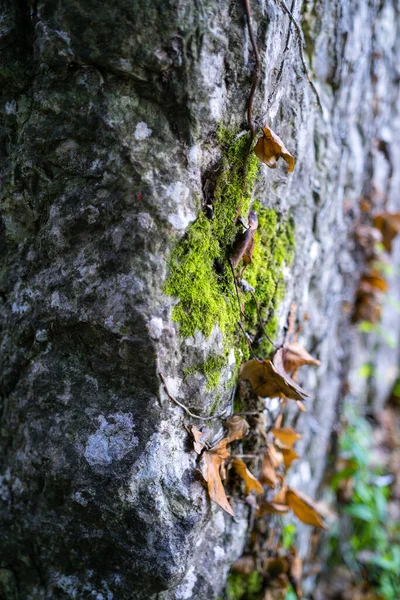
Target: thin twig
pixel 246 456
pixel 257 68
pixel 246 338
pixel 261 322
pixel 236 287
pixel 185 408
pixel 300 34
pixel 254 86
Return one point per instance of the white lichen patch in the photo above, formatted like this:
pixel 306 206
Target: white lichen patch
pixel 112 441
pixel 184 591
pixel 156 327
pixel 160 471
pixel 142 131
pixel 179 194
pixel 145 221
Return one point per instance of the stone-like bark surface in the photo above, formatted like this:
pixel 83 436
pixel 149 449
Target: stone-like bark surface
pixel 108 120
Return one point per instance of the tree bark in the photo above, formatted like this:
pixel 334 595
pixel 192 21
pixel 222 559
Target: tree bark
pixel 109 116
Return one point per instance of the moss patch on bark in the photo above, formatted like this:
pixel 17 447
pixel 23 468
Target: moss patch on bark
pixel 200 275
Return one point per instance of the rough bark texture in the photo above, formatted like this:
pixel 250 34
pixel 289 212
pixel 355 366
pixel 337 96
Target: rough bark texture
pixel 108 120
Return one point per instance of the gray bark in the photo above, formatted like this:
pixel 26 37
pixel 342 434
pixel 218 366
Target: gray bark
pixel 108 116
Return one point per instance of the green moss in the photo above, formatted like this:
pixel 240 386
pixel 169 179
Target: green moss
pixel 210 368
pixel 244 587
pixel 200 275
pixel 274 247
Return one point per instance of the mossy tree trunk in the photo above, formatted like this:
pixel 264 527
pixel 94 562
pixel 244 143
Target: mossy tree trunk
pixel 110 153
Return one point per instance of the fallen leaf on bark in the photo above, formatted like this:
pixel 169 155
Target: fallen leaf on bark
pixel 251 483
pixel 237 428
pixel 210 464
pixel 269 148
pixel 389 225
pixel 196 435
pixel 244 244
pixel 289 455
pixel 295 356
pixel 269 380
pixel 286 435
pixel 304 508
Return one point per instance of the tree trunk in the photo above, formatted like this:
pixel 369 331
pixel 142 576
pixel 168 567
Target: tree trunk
pixel 110 152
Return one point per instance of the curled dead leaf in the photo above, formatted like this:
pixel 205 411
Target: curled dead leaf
pixel 197 436
pixel 280 497
pixel 269 148
pixel 244 243
pixel 289 455
pixel 237 428
pixel 267 508
pixel 210 464
pixel 286 435
pixel 304 508
pixel 268 474
pixel 295 356
pixel 251 483
pixel 270 380
pixel 389 225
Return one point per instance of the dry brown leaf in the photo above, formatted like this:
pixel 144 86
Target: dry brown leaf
pixel 277 588
pixel 295 356
pixel 287 436
pixel 269 148
pixel 389 225
pixel 295 573
pixel 268 474
pixel 372 282
pixel 289 455
pixel 367 307
pixel 267 508
pixel 304 508
pixel 275 566
pixel 196 434
pixel 244 243
pixel 210 463
pixel 237 428
pixel 269 380
pixel 280 497
pixel 246 564
pixel 251 483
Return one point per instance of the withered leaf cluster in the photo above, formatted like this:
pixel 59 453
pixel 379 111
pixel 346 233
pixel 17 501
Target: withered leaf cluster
pixel 212 462
pixel 279 569
pixel 269 148
pixel 373 284
pixel 278 453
